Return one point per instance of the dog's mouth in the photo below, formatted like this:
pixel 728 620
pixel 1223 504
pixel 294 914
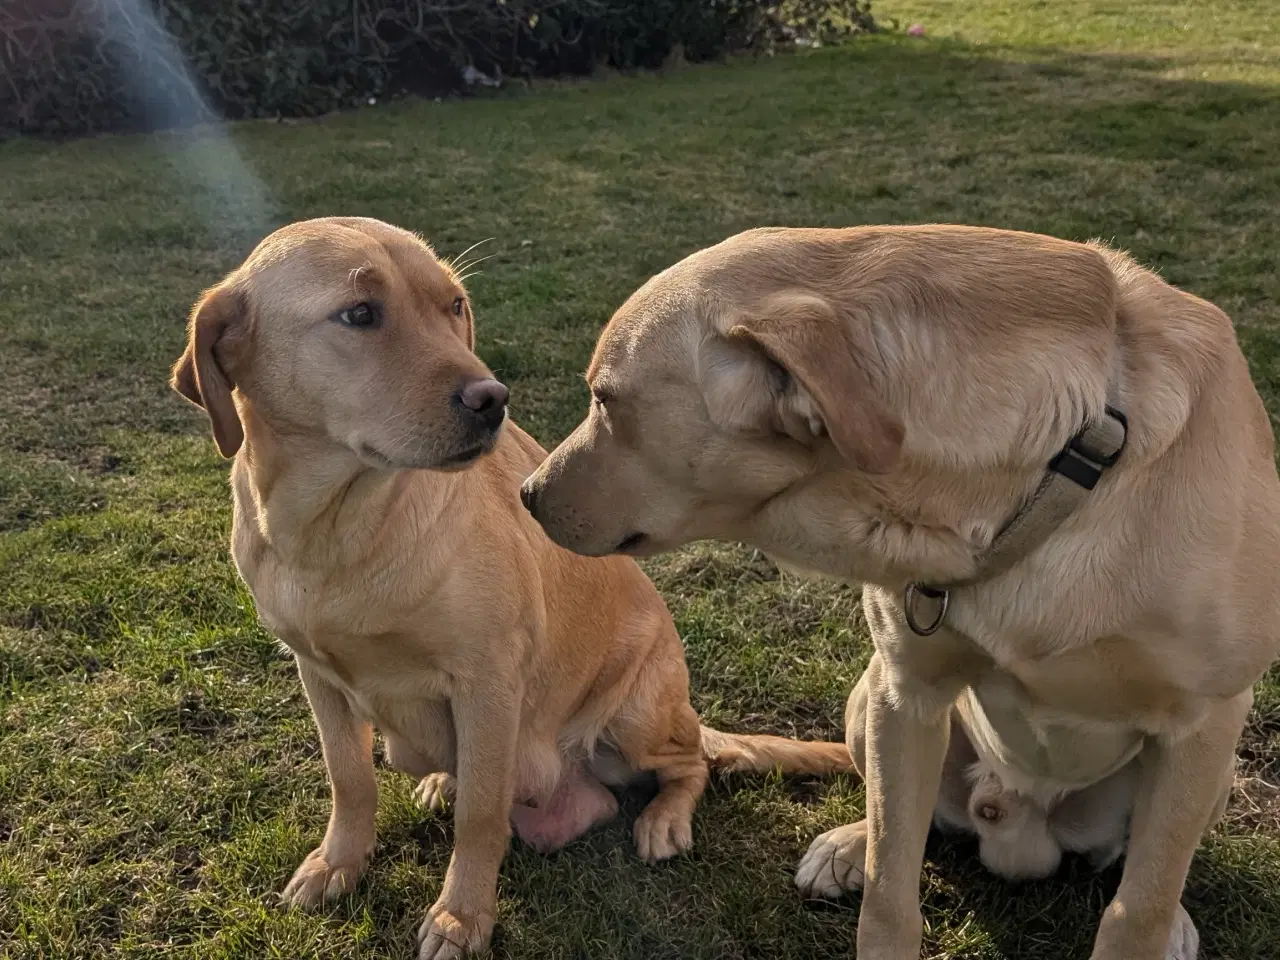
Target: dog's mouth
pixel 630 543
pixel 454 461
pixel 462 459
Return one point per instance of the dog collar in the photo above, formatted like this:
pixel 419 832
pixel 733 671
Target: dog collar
pixel 1072 473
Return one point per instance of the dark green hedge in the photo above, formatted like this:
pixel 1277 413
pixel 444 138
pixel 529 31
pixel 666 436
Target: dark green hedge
pixel 73 66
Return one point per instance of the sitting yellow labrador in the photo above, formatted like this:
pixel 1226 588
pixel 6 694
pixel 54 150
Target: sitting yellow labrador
pixel 1051 471
pixel 379 527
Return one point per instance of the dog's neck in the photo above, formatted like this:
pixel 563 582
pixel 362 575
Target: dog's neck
pixel 929 524
pixel 976 452
pixel 313 501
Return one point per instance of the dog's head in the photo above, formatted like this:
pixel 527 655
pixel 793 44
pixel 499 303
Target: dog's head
pixel 867 403
pixel 350 330
pixel 711 394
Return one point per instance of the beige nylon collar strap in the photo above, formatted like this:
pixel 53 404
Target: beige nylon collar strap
pixel 1071 475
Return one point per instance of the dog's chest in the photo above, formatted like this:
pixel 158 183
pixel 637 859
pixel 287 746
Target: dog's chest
pixel 293 606
pixel 1100 679
pixel 1069 718
pixel 1047 700
pixel 1036 730
pixel 349 633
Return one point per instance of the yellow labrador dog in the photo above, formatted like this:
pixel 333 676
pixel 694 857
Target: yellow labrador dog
pixel 379 527
pixel 1051 471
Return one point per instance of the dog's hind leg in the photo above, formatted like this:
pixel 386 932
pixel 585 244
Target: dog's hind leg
pixel 655 729
pixel 665 827
pixel 429 753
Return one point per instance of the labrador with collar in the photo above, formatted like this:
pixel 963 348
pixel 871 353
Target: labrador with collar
pixel 378 526
pixel 1052 473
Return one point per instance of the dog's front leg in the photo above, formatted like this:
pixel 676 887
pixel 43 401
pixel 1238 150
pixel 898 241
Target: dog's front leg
pixel 333 868
pixel 1181 791
pixel 906 744
pixel 486 716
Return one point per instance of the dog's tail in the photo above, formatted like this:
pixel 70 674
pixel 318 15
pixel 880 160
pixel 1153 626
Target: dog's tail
pixel 759 753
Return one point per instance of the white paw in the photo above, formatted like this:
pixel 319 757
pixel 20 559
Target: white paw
pixel 436 791
pixel 1184 939
pixel 448 934
pixel 661 832
pixel 835 863
pixel 318 880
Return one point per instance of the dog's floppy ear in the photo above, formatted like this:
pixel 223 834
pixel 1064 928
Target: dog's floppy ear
pixel 820 381
pixel 200 374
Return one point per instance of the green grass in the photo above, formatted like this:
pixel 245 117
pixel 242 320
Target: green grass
pixel 159 774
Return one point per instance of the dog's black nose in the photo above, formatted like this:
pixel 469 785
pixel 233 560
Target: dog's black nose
pixel 528 495
pixel 487 399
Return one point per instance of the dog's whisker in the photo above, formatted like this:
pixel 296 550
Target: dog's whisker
pixel 472 261
pixel 470 264
pixel 473 246
pixel 452 262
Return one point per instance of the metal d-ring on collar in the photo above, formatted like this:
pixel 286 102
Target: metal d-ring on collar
pixel 909 596
pixel 1070 475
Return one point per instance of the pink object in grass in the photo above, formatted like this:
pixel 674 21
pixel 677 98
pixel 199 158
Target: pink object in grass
pixel 916 30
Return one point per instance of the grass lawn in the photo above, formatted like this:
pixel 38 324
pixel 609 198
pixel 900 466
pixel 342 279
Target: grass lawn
pixel 160 776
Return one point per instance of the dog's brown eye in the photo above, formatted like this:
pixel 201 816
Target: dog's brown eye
pixel 361 315
pixel 599 398
pixel 457 306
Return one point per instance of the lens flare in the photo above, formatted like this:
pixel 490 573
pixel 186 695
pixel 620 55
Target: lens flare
pixel 228 196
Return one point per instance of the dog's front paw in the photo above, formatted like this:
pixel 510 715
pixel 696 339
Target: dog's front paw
pixel 662 830
pixel 835 863
pixel 319 879
pixel 1184 939
pixel 436 791
pixel 447 933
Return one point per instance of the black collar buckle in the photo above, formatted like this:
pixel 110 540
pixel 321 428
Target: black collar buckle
pixel 1085 466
